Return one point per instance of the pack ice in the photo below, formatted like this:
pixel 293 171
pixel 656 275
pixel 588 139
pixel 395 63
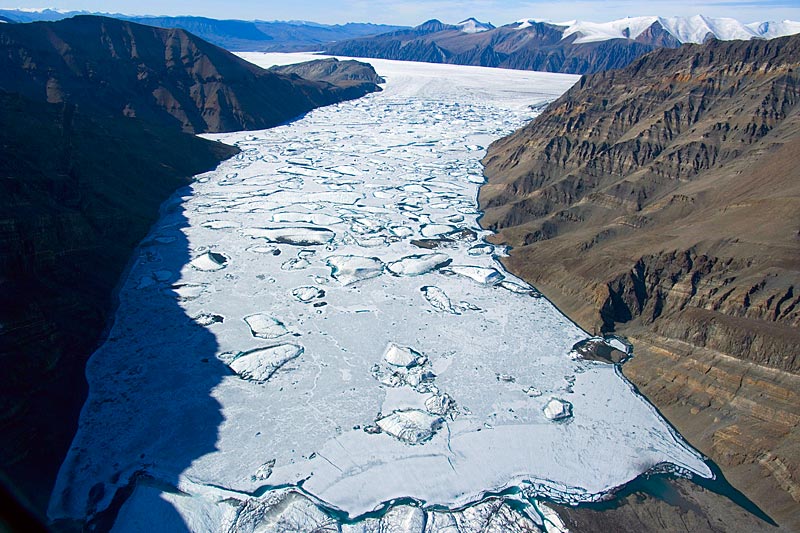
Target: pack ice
pixel 358 357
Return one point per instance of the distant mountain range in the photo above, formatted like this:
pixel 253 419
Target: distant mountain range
pixel 235 35
pixel 571 47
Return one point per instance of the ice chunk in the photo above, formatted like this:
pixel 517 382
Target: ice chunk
pixel 220 224
pixel 280 513
pixel 209 261
pixel 207 319
pixel 295 263
pixel 307 293
pixel 557 409
pixel 438 299
pixel 187 291
pixel 519 288
pixel 412 426
pixel 483 275
pixel 296 236
pixel 435 230
pixel 310 218
pixel 264 471
pixel 415 265
pixel 440 404
pixel 481 249
pixel 348 269
pixel 346 170
pixel 261 364
pixel 401 231
pixel 533 392
pixel 266 250
pixel 265 327
pixel 403 356
pixel 400 519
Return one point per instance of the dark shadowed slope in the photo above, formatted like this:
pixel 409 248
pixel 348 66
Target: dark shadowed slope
pixel 95 113
pixel 663 201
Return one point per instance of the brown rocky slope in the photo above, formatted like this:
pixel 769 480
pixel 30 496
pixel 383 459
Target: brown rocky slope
pixel 662 201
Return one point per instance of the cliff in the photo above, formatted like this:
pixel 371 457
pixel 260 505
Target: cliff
pixel 662 201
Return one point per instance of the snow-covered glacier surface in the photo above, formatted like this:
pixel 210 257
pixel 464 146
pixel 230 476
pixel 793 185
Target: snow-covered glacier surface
pixel 317 335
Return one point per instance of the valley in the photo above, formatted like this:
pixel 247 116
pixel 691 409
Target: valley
pixel 322 313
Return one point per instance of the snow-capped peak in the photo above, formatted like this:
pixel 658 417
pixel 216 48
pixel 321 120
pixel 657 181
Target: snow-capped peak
pixel 472 25
pixel 695 29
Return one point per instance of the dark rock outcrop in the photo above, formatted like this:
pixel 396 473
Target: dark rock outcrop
pixel 342 73
pixel 97 115
pixel 662 201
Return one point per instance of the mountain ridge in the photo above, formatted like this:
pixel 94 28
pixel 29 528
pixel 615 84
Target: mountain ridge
pixel 231 34
pixel 661 201
pixel 574 48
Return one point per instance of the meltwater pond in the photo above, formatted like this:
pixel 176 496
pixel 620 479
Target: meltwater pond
pixel 316 334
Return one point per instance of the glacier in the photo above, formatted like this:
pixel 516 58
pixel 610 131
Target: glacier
pixel 694 29
pixel 358 358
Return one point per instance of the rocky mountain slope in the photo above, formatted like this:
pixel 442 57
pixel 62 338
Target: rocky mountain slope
pixel 238 35
pixel 662 201
pixel 156 75
pixel 576 48
pixel 97 115
pixel 332 70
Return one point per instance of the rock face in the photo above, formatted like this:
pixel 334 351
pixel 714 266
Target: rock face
pixel 95 113
pixel 666 197
pixel 332 70
pixel 538 46
pixel 163 76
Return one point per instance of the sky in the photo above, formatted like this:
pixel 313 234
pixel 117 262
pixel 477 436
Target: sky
pixel 413 12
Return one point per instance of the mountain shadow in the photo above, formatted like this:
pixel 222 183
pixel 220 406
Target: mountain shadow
pixel 97 120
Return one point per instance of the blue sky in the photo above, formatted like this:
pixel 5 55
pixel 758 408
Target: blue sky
pixel 412 12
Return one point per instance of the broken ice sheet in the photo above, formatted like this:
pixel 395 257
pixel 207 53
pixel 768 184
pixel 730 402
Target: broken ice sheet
pixel 307 293
pixel 438 299
pixel 349 269
pixel 415 265
pixel 265 326
pixel 210 261
pixel 156 390
pixel 296 236
pixel 412 426
pixel 260 364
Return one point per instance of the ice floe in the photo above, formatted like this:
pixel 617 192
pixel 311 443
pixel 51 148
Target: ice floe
pixel 558 409
pixel 296 236
pixel 349 269
pixel 415 265
pixel 412 426
pixel 210 261
pixel 260 364
pixel 265 326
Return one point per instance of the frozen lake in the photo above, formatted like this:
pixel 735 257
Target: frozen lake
pixel 316 335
